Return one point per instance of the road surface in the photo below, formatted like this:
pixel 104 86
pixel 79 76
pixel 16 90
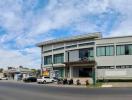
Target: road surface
pixel 25 91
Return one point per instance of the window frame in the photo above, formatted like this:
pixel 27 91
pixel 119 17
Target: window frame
pixel 105 47
pixel 55 56
pixel 46 61
pixel 126 49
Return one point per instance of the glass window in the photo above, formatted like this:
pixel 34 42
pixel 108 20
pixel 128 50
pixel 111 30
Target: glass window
pixel 61 48
pixel 86 44
pixel 71 46
pixel 47 51
pixel 109 50
pixel 124 49
pixel 105 51
pixel 130 49
pixel 105 67
pixel 85 72
pixel 58 58
pixel 120 50
pixel 100 51
pixel 124 66
pixel 86 53
pixel 47 60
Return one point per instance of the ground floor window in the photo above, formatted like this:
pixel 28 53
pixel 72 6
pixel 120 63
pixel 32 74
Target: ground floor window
pixel 59 72
pixel 105 67
pixel 85 72
pixel 123 66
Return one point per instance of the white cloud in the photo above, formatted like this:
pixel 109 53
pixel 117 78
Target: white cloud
pixel 16 58
pixel 125 8
pixel 24 24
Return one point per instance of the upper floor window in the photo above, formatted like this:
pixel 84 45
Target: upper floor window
pixel 58 58
pixel 47 51
pixel 60 48
pixel 86 53
pixel 47 60
pixel 105 50
pixel 71 46
pixel 124 49
pixel 86 44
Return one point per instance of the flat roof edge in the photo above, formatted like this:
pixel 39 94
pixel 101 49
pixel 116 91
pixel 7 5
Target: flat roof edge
pixel 67 39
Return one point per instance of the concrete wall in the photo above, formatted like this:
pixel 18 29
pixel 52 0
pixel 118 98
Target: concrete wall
pixel 116 59
pixel 119 40
pixel 114 73
pixel 48 47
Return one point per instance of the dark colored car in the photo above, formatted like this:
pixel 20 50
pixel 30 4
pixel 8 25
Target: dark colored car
pixel 30 79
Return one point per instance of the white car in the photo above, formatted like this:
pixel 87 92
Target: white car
pixel 3 78
pixel 45 80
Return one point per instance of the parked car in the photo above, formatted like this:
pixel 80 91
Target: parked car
pixel 45 80
pixel 30 79
pixel 3 78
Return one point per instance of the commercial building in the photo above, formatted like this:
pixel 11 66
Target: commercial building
pixel 17 73
pixel 88 55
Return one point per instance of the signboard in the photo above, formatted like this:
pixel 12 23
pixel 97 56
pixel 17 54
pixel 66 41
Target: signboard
pixel 46 72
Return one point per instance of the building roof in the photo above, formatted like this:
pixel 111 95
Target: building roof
pixel 73 38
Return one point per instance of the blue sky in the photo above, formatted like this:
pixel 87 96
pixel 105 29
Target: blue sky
pixel 23 23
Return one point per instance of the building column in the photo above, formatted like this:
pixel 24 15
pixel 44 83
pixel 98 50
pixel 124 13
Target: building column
pixel 71 72
pixel 64 72
pixel 94 75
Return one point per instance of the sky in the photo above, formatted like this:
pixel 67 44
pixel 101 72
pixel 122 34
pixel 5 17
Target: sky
pixel 24 23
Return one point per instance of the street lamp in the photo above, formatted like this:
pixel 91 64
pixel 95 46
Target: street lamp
pixel 68 63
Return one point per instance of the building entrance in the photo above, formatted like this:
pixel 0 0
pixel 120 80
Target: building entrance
pixel 85 72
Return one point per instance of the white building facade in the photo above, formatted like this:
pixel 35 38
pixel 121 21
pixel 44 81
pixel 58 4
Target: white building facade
pixel 85 55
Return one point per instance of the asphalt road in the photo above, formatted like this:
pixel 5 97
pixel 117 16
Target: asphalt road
pixel 20 91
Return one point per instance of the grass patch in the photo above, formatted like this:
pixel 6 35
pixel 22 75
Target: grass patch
pixel 115 80
pixel 97 85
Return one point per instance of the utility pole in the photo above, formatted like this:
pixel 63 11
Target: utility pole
pixel 41 61
pixel 68 63
pixel 52 69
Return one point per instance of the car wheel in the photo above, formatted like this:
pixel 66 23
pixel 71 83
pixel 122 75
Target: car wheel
pixel 44 82
pixel 38 82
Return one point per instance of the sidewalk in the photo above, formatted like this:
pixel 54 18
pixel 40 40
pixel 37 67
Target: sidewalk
pixel 118 84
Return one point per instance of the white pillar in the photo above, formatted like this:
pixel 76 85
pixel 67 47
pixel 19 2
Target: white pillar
pixel 71 71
